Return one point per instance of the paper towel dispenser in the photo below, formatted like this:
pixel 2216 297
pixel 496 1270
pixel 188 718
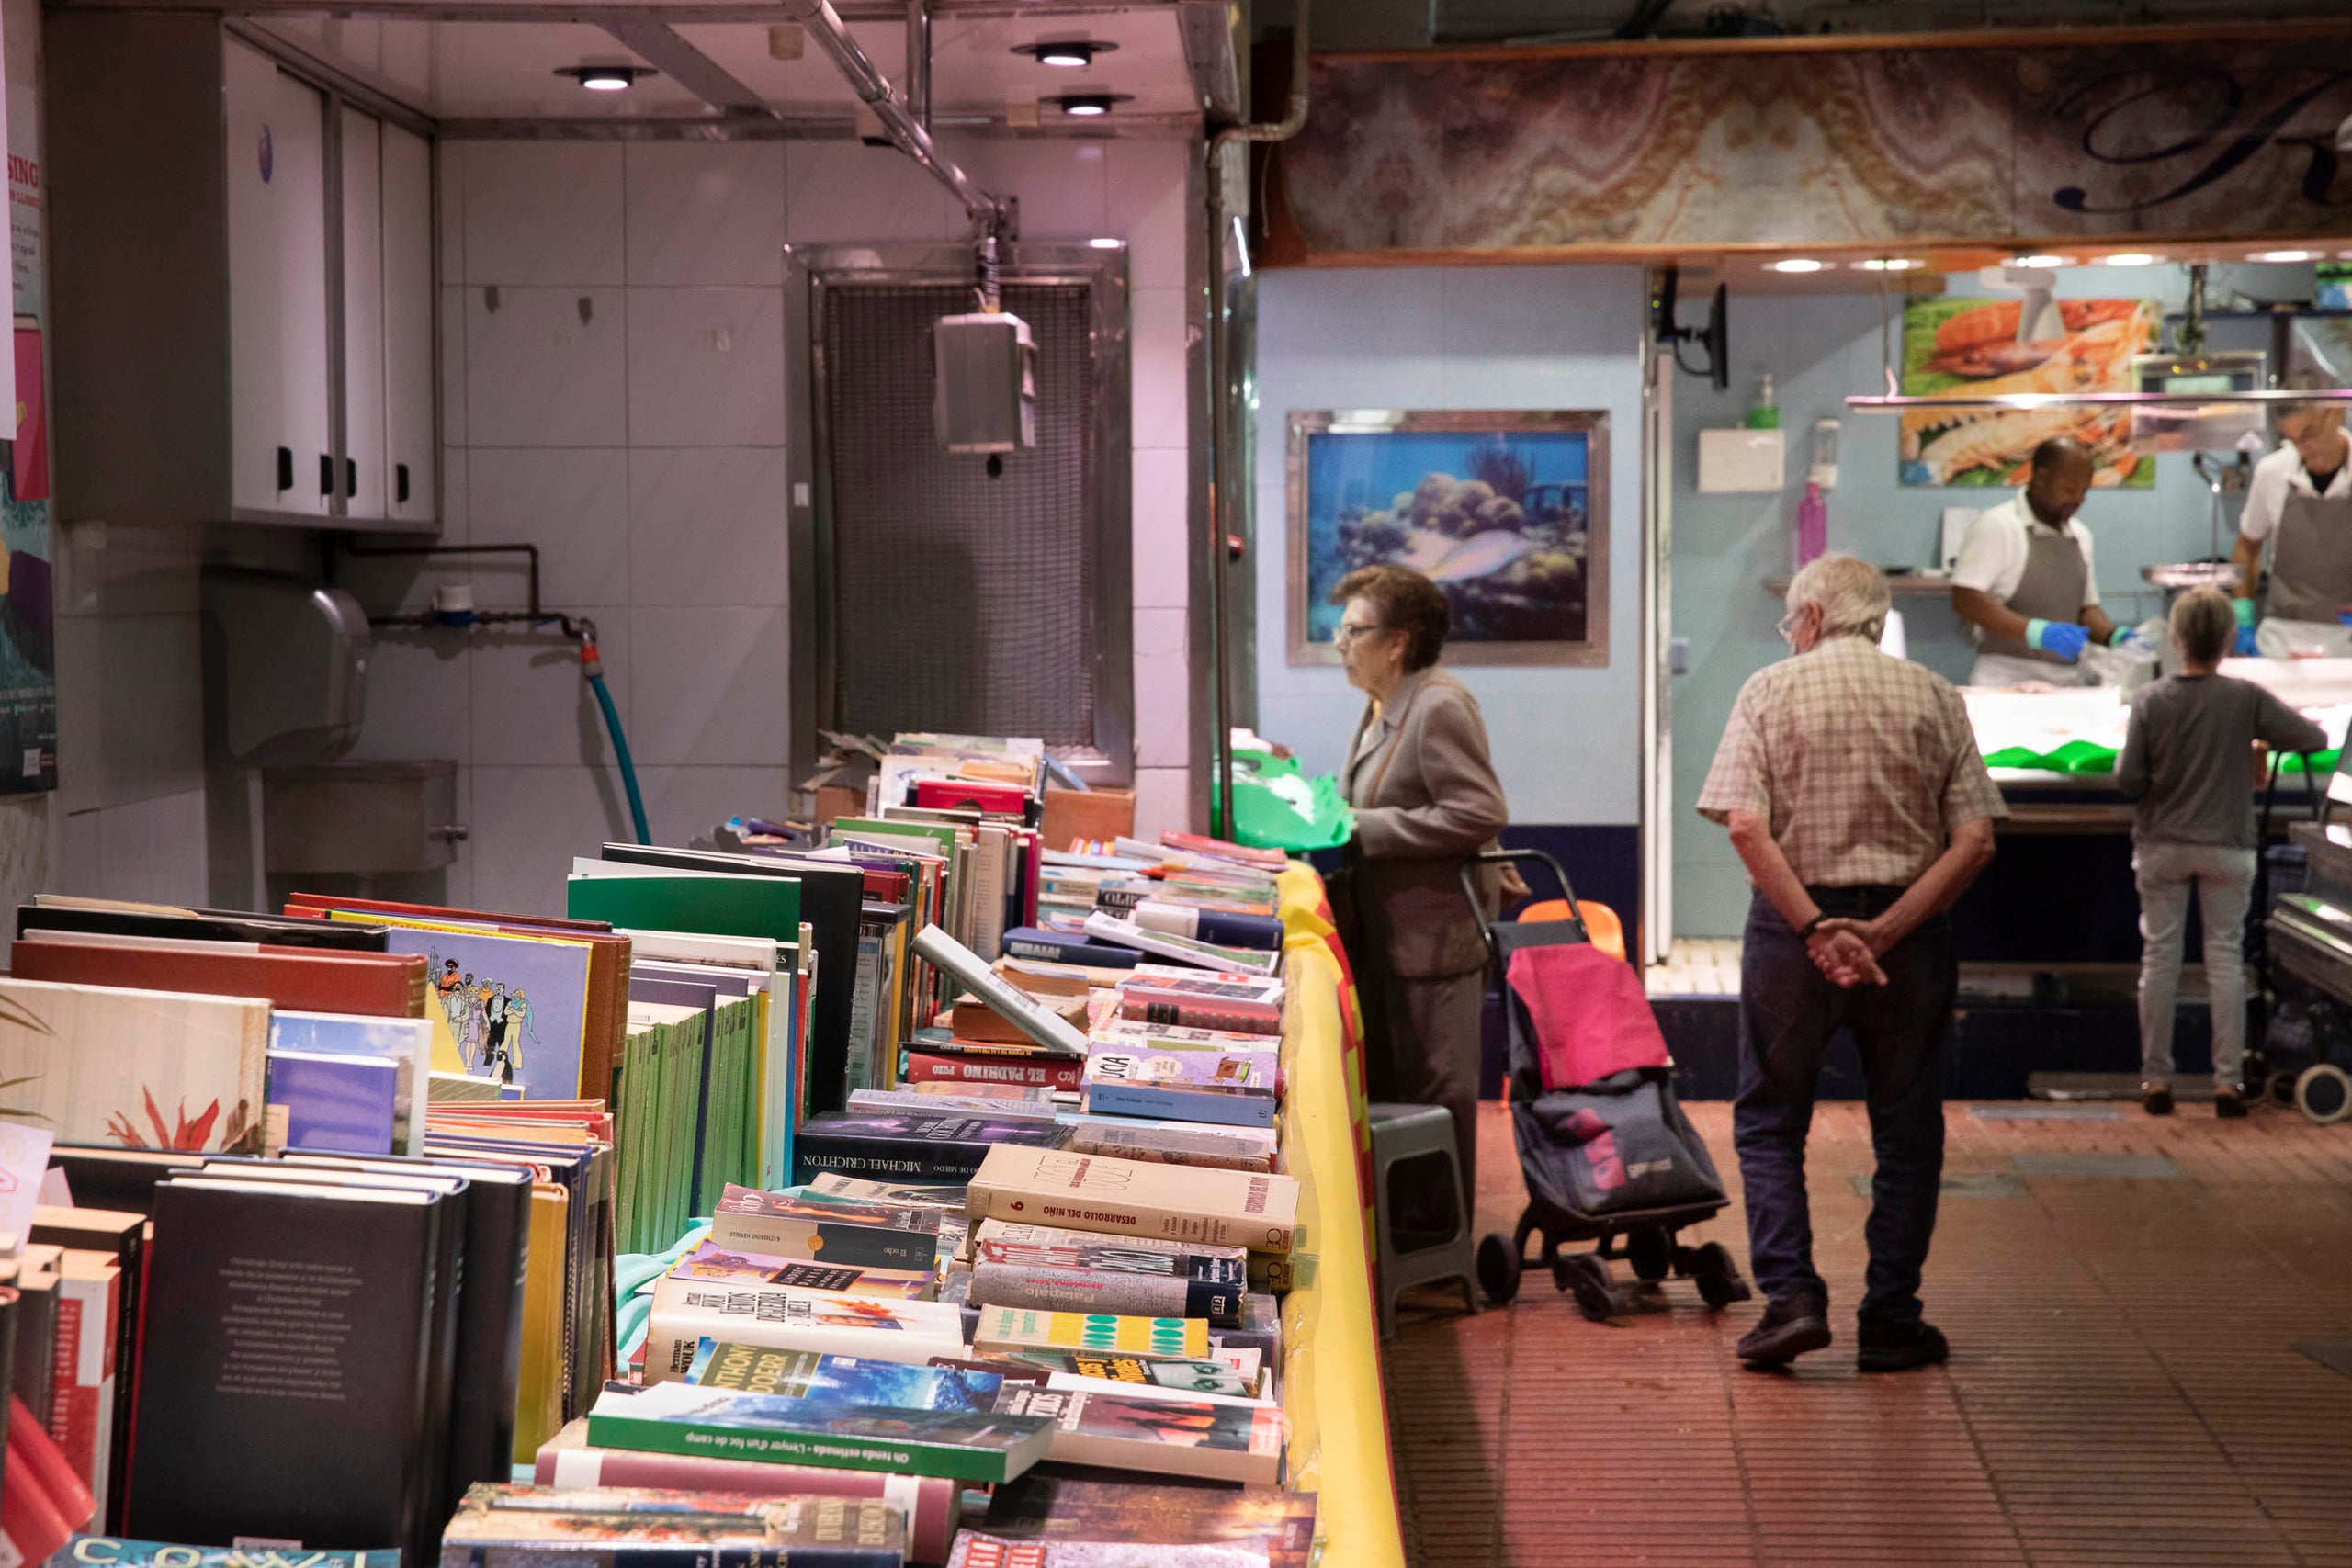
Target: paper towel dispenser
pixel 285 669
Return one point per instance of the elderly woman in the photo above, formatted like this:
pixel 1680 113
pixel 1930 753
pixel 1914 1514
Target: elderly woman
pixel 1426 798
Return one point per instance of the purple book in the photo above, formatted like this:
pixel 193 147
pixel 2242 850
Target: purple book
pixel 342 1103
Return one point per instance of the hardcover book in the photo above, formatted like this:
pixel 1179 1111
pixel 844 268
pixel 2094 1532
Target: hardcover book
pixel 943 1064
pixel 777 1225
pixel 947 1202
pixel 1123 1197
pixel 1221 1086
pixel 1068 948
pixel 1107 928
pixel 894 1101
pixel 134 1069
pixel 686 1312
pixel 843 1379
pixel 961 1445
pixel 407 1041
pixel 1237 1005
pixel 913 1146
pixel 1097 1291
pixel 1156 1435
pixel 312 980
pixel 1216 927
pixel 997 1241
pixel 1013 1328
pixel 342 1104
pixel 524 1526
pixel 711 1262
pixel 973 1019
pixel 928 1503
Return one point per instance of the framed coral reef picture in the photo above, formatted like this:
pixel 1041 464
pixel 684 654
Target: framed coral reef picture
pixel 1508 512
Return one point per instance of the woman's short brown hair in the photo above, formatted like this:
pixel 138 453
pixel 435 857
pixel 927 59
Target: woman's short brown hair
pixel 1404 601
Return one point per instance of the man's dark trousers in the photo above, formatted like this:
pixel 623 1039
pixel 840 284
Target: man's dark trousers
pixel 1788 1010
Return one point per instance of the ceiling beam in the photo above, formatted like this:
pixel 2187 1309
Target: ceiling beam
pixel 658 45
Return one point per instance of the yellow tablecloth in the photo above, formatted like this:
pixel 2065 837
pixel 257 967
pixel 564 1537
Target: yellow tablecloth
pixel 1338 1445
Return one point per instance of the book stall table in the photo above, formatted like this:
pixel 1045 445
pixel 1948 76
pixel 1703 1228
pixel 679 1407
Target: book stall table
pixel 1331 1387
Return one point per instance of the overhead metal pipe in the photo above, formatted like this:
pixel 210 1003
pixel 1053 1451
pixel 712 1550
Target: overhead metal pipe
pixel 825 26
pixel 919 61
pixel 1224 492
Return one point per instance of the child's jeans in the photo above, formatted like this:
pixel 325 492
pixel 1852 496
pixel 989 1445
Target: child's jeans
pixel 2223 878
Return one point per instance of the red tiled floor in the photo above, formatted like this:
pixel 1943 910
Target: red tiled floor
pixel 2123 1390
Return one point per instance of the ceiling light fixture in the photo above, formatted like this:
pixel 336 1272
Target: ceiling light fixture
pixel 1089 105
pixel 2039 261
pixel 1107 243
pixel 1796 263
pixel 2130 258
pixel 2282 257
pixel 1890 264
pixel 607 78
pixel 1069 54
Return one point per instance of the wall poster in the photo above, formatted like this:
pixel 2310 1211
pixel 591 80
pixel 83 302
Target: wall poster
pixel 1983 348
pixel 1506 511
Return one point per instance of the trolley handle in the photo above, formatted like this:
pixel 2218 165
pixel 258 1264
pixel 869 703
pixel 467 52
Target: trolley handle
pixel 1470 868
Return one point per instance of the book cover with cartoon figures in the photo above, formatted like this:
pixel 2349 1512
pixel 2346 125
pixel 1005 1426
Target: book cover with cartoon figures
pixel 516 1008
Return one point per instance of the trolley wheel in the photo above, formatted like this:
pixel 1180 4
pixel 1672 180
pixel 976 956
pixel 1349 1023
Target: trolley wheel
pixel 1651 1253
pixel 1718 1277
pixel 2324 1093
pixel 1588 1276
pixel 2279 1087
pixel 1498 1264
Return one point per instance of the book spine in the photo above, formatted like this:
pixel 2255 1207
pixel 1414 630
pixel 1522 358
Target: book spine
pixel 1105 1290
pixel 1193 1012
pixel 81 1417
pixel 953 1461
pixel 1180 1104
pixel 590 1553
pixel 1035 944
pixel 925 1066
pixel 1099 1211
pixel 929 1501
pixel 1092 1140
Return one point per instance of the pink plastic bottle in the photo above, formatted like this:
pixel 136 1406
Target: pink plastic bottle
pixel 1813 524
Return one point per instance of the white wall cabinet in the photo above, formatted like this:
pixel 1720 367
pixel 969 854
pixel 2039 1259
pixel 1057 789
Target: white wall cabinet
pixel 286 373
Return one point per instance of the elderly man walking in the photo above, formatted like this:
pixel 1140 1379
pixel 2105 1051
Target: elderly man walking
pixel 1854 792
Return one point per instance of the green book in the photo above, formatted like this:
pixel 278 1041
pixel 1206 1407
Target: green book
pixel 714 903
pixel 679 1419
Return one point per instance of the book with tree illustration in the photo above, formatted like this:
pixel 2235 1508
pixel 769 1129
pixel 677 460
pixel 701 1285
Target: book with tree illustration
pixel 134 1069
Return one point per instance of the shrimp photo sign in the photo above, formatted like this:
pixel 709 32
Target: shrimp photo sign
pixel 1974 348
pixel 1506 511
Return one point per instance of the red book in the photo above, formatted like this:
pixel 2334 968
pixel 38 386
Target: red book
pixel 318 904
pixel 566 1459
pixel 28 1517
pixel 989 1067
pixel 81 1420
pixel 951 795
pixel 29 1445
pixel 383 985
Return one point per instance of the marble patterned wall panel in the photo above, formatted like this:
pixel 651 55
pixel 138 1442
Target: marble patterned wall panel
pixel 1630 152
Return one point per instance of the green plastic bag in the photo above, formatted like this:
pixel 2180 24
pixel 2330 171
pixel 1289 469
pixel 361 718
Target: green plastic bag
pixel 1276 808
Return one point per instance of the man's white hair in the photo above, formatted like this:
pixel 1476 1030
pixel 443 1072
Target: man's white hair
pixel 1852 594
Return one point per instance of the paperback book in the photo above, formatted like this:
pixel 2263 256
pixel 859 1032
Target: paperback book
pixel 1111 929
pixel 997 1240
pixel 843 1379
pixel 113 1551
pixel 1156 1435
pixel 961 1445
pixel 1123 1197
pixel 686 1312
pixel 916 1147
pixel 1228 1087
pixel 1051 1503
pixel 836 1230
pixel 1211 1375
pixel 520 1527
pixel 944 1064
pixel 711 1262
pixel 976 1549
pixel 1014 1328
pixel 1239 1005
pixel 895 1101
pixel 1173 1143
pixel 1046 1288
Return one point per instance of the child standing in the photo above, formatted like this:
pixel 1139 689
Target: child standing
pixel 2189 761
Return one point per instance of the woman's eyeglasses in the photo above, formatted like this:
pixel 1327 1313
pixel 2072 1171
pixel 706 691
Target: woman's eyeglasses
pixel 1349 631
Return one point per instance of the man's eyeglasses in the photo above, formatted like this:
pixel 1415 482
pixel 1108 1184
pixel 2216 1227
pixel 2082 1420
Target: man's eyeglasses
pixel 1350 630
pixel 1787 628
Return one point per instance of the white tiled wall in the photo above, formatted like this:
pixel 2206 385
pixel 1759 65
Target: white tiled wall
pixel 621 405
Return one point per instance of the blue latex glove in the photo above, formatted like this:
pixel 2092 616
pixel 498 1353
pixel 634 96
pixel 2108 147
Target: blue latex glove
pixel 2244 648
pixel 2063 639
pixel 2127 637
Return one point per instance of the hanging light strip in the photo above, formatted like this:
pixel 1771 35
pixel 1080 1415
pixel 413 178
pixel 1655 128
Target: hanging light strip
pixel 1896 404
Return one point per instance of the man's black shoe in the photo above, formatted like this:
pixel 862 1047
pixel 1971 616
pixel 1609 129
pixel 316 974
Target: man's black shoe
pixel 1890 1347
pixel 2155 1099
pixel 1789 1328
pixel 2228 1102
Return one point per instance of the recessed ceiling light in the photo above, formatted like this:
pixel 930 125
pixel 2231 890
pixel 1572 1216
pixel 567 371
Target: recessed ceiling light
pixel 1087 106
pixel 1797 264
pixel 2039 261
pixel 1107 243
pixel 2283 255
pixel 607 78
pixel 2130 258
pixel 1070 54
pixel 1890 264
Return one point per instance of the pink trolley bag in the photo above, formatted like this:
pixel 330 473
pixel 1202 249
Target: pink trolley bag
pixel 1607 1153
